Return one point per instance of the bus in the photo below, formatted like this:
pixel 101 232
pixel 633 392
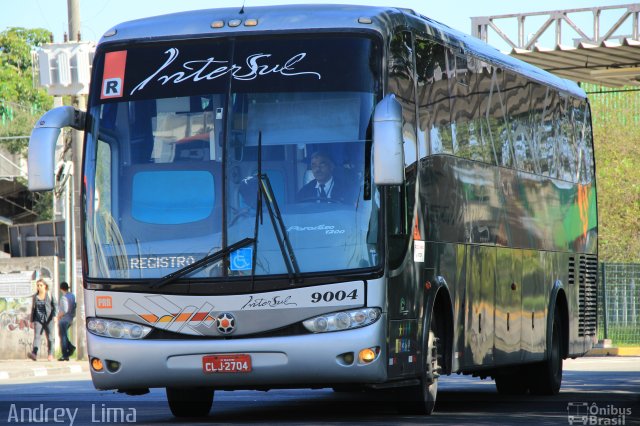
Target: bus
pixel 457 233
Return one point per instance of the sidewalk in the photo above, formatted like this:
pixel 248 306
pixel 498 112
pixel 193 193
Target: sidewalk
pixel 18 369
pixel 624 351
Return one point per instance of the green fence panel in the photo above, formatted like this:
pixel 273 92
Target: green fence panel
pixel 619 303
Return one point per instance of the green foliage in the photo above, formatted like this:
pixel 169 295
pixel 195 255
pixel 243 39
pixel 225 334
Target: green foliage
pixel 15 122
pixel 20 102
pixel 617 150
pixel 43 205
pixel 16 44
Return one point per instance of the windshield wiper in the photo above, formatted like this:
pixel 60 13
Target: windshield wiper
pixel 220 254
pixel 265 192
pixel 279 228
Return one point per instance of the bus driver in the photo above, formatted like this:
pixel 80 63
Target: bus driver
pixel 325 186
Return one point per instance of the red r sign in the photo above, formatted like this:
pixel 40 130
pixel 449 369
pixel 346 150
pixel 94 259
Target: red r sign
pixel 113 76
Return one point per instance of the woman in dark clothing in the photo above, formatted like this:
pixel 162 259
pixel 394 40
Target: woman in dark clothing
pixel 43 311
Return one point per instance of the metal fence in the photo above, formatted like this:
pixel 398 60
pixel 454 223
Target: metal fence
pixel 613 105
pixel 619 303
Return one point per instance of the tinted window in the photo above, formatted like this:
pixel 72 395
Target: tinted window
pixel 498 119
pixel 434 107
pixel 172 158
pixel 401 83
pixel 467 120
pixel 567 163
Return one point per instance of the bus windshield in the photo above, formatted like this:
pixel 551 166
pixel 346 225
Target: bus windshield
pixel 179 132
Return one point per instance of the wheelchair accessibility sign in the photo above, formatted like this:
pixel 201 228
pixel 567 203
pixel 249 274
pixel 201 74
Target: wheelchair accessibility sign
pixel 241 259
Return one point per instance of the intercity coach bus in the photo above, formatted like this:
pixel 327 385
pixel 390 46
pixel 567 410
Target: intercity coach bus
pixel 468 243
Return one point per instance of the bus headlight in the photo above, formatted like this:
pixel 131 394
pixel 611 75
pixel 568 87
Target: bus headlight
pixel 342 320
pixel 116 328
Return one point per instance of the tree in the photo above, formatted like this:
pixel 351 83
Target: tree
pixel 20 101
pixel 616 133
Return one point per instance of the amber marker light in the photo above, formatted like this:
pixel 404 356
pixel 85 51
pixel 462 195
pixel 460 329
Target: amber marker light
pixel 217 24
pixel 96 364
pixel 367 355
pixel 250 22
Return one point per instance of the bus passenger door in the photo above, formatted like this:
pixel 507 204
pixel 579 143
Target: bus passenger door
pixel 508 318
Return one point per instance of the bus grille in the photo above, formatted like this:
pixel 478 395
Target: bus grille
pixel 572 271
pixel 587 299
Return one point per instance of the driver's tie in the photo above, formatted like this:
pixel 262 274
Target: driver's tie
pixel 323 193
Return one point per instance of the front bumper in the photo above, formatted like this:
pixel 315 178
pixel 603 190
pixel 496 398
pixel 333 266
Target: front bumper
pixel 286 361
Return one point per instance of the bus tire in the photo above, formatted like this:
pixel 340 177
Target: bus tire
pixel 190 402
pixel 422 399
pixel 546 377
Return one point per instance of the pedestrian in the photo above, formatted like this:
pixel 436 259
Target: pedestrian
pixel 43 311
pixel 66 313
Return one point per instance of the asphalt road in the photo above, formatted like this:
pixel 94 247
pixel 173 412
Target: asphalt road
pixel 603 391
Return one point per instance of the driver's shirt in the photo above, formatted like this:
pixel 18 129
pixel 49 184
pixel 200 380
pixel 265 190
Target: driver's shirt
pixel 328 187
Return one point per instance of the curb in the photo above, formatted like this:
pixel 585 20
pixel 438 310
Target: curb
pixel 20 373
pixel 614 352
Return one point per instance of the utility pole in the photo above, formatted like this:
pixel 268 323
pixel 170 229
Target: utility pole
pixel 73 11
pixel 79 102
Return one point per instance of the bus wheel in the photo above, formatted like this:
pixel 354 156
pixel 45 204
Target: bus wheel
pixel 545 378
pixel 510 384
pixel 422 399
pixel 190 402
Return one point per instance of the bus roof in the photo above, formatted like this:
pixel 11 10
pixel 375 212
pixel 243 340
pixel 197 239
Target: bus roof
pixel 270 19
pixel 490 54
pixel 313 17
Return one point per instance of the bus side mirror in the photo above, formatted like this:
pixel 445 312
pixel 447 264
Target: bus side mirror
pixel 388 152
pixel 42 144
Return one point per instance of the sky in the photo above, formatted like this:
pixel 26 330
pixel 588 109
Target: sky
pixel 97 16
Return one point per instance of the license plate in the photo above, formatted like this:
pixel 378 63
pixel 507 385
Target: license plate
pixel 228 363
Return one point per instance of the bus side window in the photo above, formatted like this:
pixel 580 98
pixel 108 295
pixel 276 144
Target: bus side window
pixel 520 122
pixel 401 83
pixel 496 117
pixel 434 105
pixel 566 143
pixel 465 116
pixel 583 153
pixel 551 121
pixel 543 137
pixel 486 88
pixel 587 145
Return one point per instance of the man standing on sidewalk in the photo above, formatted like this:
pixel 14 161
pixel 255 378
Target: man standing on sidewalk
pixel 66 313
